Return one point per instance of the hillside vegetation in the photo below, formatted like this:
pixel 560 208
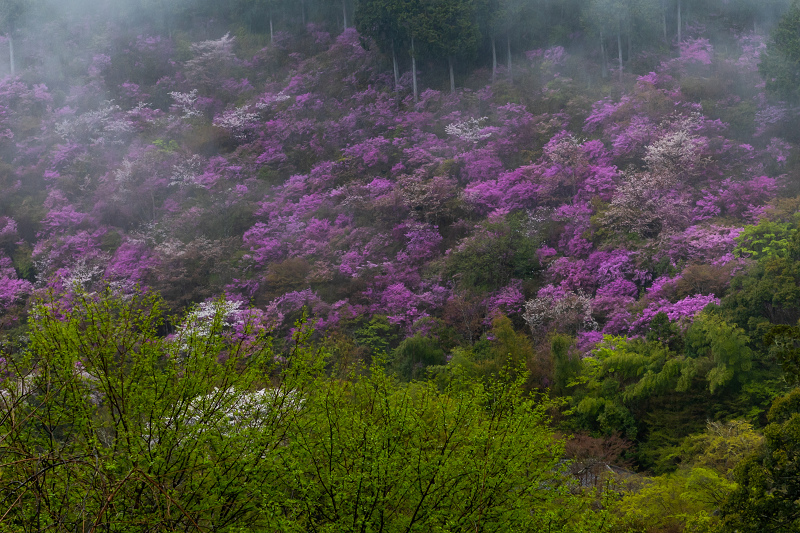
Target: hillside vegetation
pixel 254 266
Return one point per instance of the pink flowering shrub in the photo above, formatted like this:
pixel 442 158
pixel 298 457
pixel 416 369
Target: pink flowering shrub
pixel 681 311
pixel 736 199
pixel 696 51
pixel 12 289
pixel 508 301
pixel 707 244
pixel 299 175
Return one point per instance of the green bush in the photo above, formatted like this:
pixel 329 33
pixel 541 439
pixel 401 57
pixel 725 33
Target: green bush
pixel 415 353
pixel 767 239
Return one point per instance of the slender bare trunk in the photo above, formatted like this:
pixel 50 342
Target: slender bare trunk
pixel 508 55
pixel 603 56
pixel 619 52
pixel 271 34
pixel 664 19
pixel 680 24
pixel 414 70
pixel 303 12
pixel 394 65
pixel 344 13
pixel 452 77
pixel 494 59
pixel 12 66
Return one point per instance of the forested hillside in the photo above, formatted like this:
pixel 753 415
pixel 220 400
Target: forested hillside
pixel 586 210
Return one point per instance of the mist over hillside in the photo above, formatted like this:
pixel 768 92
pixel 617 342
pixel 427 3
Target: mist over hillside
pixel 601 193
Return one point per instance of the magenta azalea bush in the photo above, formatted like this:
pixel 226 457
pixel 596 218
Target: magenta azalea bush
pixel 296 174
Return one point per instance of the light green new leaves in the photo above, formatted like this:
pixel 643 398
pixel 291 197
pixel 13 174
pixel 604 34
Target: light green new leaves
pixel 109 424
pixel 375 456
pixel 767 239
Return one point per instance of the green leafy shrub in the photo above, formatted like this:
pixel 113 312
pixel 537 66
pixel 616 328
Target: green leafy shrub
pixel 767 239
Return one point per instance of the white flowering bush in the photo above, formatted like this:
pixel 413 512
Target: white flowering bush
pixel 231 409
pixel 469 130
pixel 98 127
pixel 82 275
pixel 212 61
pixel 185 173
pixel 186 102
pixel 565 311
pixel 267 100
pixel 207 319
pixel 240 122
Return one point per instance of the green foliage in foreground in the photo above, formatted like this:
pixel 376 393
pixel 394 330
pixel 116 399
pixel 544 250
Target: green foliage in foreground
pixel 656 397
pixel 689 499
pixel 767 498
pixel 769 293
pixel 105 425
pixel 767 239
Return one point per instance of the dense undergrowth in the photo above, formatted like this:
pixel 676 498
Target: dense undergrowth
pixel 624 245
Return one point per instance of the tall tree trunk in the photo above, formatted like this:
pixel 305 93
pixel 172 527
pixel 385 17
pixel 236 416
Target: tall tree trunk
pixel 664 19
pixel 11 55
pixel 394 64
pixel 494 59
pixel 680 24
pixel 603 57
pixel 303 12
pixel 344 13
pixel 414 70
pixel 619 51
pixel 452 77
pixel 271 34
pixel 508 55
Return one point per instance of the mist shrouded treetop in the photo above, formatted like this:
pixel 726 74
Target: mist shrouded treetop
pixel 781 62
